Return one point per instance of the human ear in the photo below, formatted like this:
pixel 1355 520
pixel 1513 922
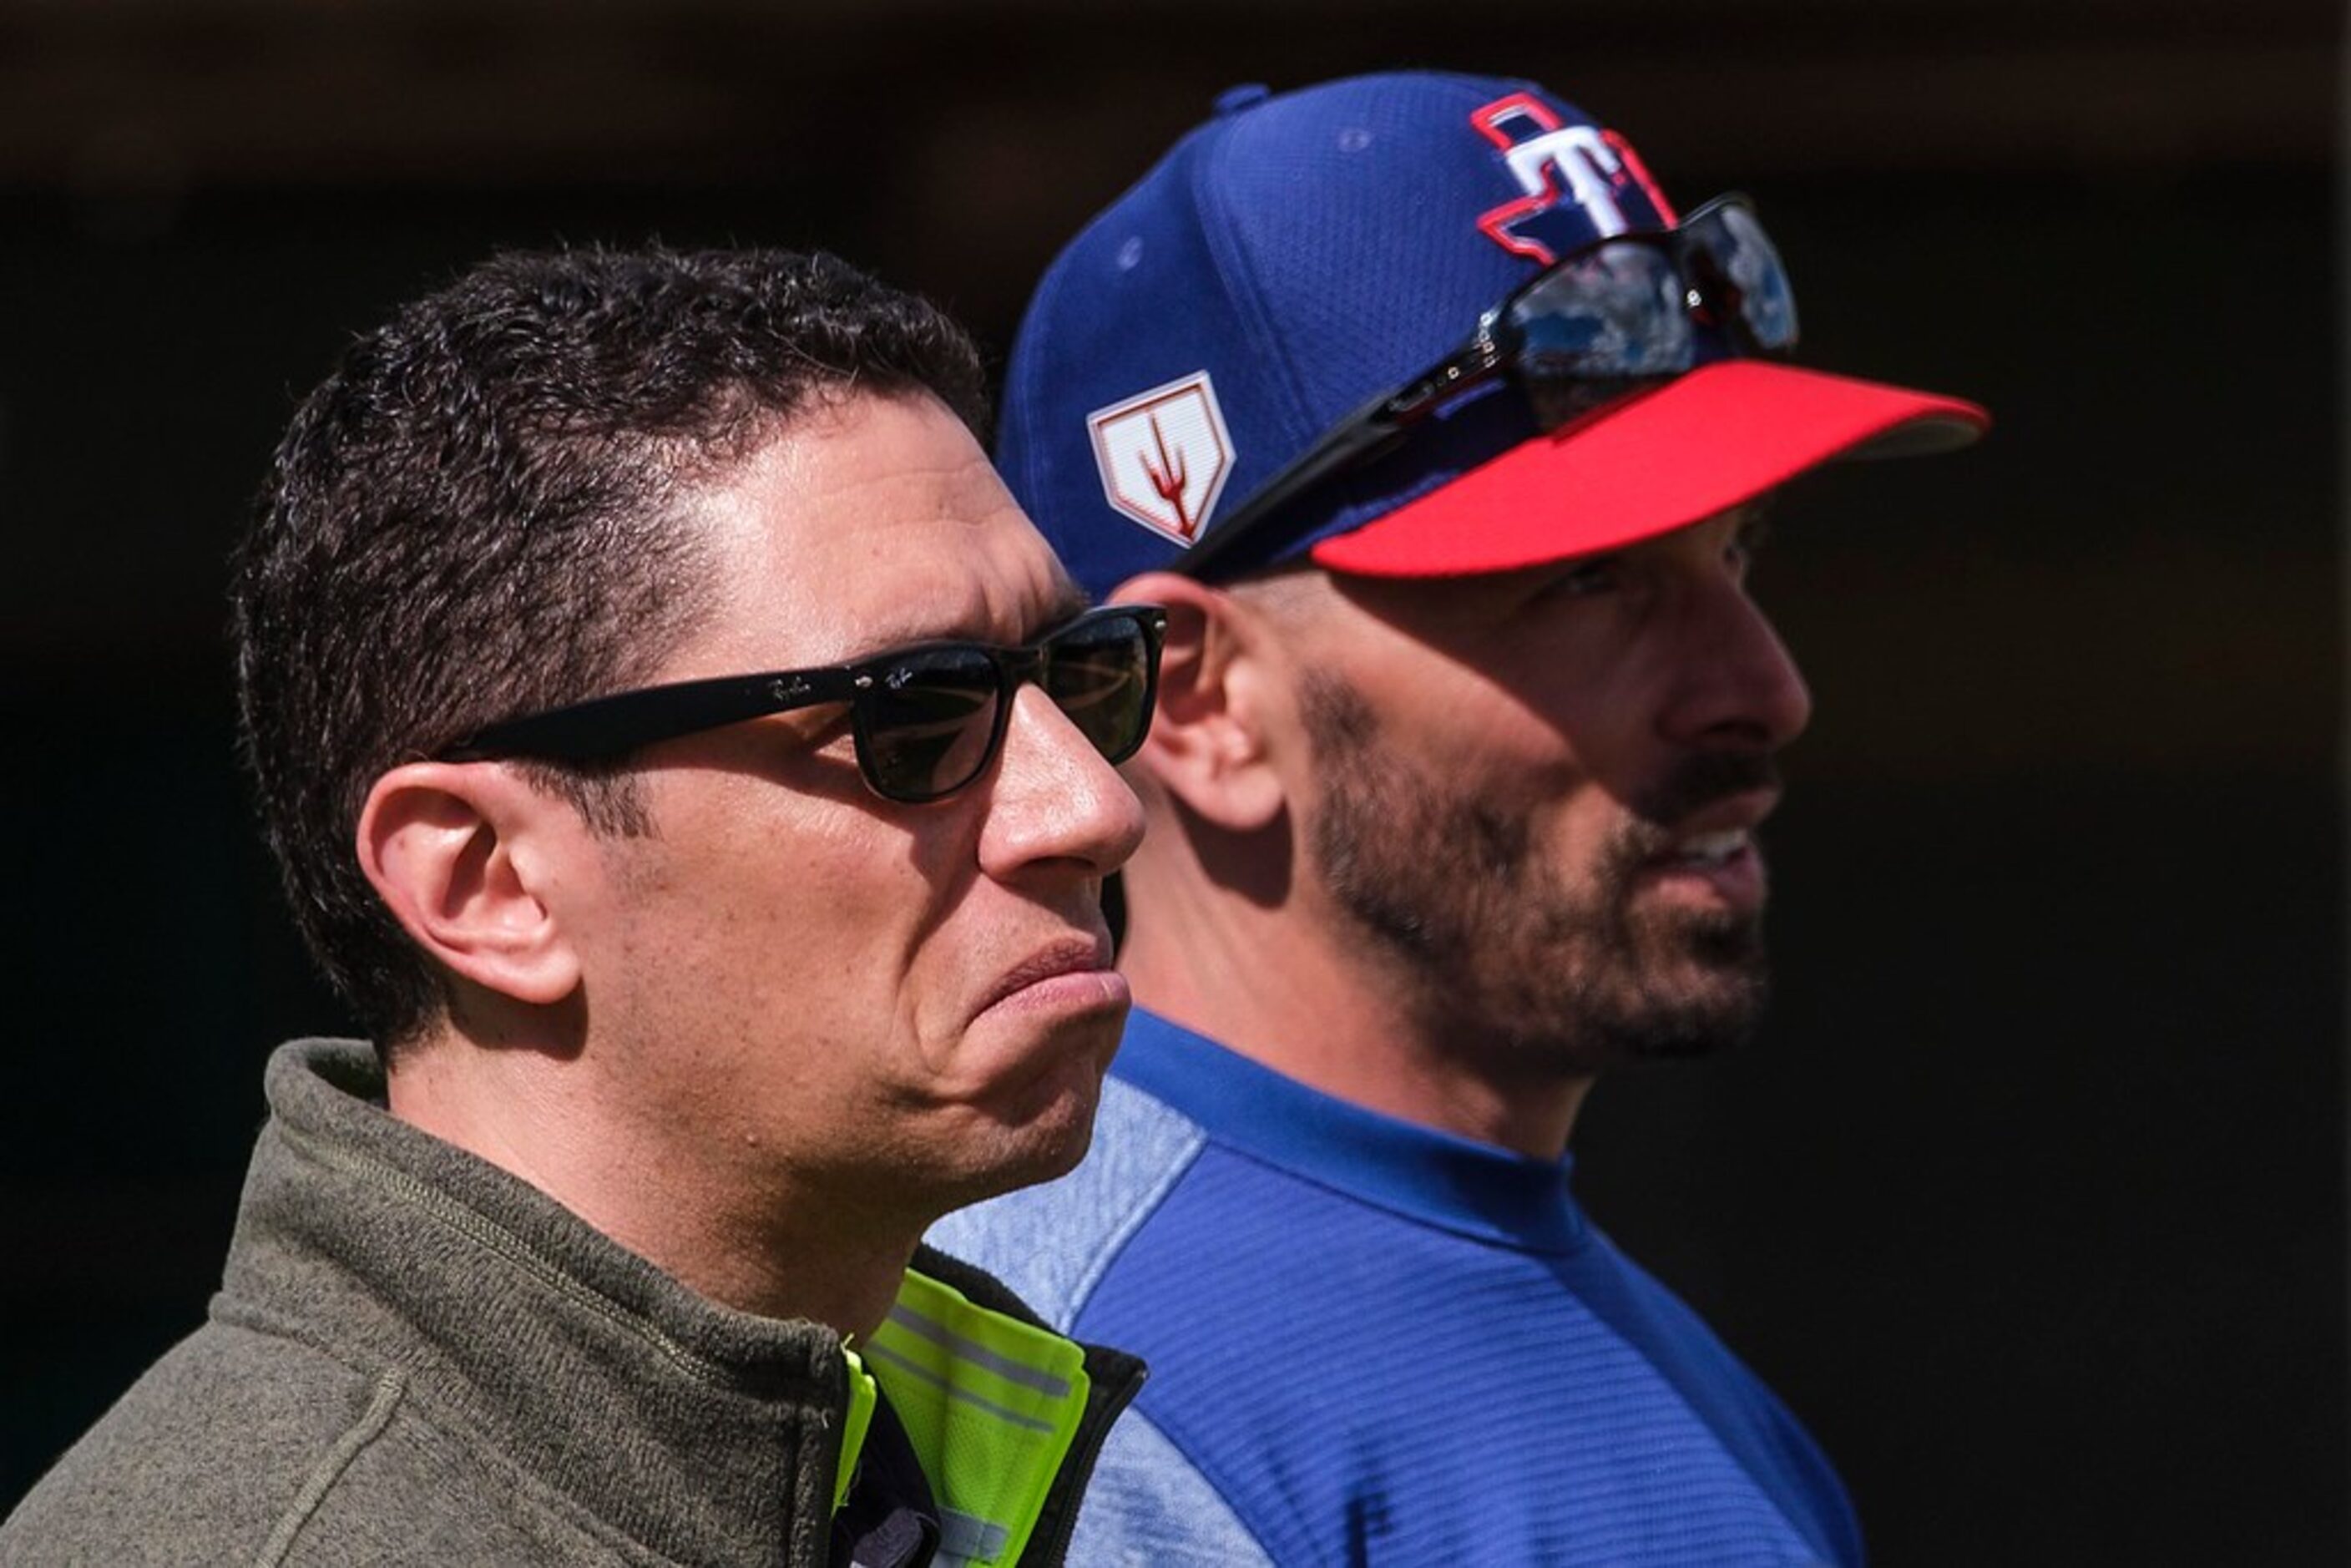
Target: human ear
pixel 460 852
pixel 1209 745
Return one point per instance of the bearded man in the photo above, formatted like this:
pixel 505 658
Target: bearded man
pixel 1443 438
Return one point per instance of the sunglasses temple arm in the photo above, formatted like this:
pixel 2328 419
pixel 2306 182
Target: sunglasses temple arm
pixel 1342 450
pixel 613 725
pixel 1373 425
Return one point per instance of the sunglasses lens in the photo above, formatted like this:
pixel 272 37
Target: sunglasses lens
pixel 1626 314
pixel 928 722
pixel 1099 674
pixel 1733 247
pixel 1615 312
pixel 1599 326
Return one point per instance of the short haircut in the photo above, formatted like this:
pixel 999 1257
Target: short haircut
pixel 478 515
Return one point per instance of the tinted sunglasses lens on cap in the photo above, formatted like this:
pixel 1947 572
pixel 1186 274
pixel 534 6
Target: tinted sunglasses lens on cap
pixel 1594 328
pixel 1615 312
pixel 1631 310
pixel 1726 245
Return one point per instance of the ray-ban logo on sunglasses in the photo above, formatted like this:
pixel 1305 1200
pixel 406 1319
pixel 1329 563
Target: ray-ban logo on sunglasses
pixel 1164 456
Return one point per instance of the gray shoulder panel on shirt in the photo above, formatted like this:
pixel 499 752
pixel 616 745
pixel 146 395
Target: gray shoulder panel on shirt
pixel 1051 1244
pixel 1146 1507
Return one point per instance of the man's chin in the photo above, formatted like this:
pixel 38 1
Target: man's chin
pixel 1678 991
pixel 1698 1014
pixel 1040 1140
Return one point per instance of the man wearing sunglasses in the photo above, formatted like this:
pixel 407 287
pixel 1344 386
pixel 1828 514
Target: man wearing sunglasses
pixel 1440 432
pixel 700 778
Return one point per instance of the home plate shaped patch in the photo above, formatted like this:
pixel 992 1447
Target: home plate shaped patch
pixel 1164 456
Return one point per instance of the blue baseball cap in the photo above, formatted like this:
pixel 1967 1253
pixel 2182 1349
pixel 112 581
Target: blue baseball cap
pixel 1303 253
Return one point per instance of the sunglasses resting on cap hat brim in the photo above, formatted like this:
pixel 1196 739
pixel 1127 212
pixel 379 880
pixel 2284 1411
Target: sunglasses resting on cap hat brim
pixel 1415 324
pixel 1699 444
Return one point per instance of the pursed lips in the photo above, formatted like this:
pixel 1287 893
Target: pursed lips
pixel 1075 953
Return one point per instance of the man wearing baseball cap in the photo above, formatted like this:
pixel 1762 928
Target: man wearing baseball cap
pixel 1441 432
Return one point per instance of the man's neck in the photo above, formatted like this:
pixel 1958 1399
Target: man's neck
pixel 1275 988
pixel 774 1252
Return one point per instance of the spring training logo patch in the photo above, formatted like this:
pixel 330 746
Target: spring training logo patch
pixel 1164 456
pixel 1577 179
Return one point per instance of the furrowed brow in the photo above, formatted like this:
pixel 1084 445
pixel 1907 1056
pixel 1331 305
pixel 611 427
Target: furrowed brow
pixel 1066 604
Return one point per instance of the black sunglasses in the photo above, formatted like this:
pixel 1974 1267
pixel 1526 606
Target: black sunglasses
pixel 928 719
pixel 1619 316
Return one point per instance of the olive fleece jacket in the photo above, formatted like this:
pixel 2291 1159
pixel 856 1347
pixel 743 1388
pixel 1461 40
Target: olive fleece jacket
pixel 415 1357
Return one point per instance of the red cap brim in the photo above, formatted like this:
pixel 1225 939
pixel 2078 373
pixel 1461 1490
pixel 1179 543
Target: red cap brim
pixel 1700 444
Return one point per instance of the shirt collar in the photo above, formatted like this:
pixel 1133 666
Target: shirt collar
pixel 1474 1189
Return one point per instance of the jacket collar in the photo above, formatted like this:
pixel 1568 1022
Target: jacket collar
pixel 705 1434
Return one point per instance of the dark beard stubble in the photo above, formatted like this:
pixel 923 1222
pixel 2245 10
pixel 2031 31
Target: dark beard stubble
pixel 1496 944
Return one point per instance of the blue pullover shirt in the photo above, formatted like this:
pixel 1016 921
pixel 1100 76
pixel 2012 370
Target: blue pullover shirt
pixel 1371 1343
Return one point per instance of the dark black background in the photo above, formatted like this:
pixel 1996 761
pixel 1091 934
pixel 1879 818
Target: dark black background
pixel 2033 1198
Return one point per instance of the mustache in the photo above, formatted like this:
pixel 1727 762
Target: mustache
pixel 1699 781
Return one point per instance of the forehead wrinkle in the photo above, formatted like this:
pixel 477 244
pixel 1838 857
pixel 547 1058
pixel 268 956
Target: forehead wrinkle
pixel 1069 601
pixel 992 592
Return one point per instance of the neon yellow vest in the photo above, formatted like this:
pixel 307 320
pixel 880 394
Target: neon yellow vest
pixel 990 1403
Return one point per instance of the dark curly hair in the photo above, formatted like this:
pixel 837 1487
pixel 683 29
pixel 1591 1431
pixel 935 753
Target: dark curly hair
pixel 477 514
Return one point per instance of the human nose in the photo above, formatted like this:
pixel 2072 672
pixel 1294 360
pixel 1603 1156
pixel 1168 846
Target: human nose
pixel 1054 797
pixel 1743 688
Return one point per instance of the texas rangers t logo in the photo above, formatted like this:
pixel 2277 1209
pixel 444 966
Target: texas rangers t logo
pixel 1164 456
pixel 1576 178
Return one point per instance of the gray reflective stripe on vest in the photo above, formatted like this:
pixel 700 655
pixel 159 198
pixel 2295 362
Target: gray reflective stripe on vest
pixel 915 1370
pixel 992 1405
pixel 978 1354
pixel 968 1538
